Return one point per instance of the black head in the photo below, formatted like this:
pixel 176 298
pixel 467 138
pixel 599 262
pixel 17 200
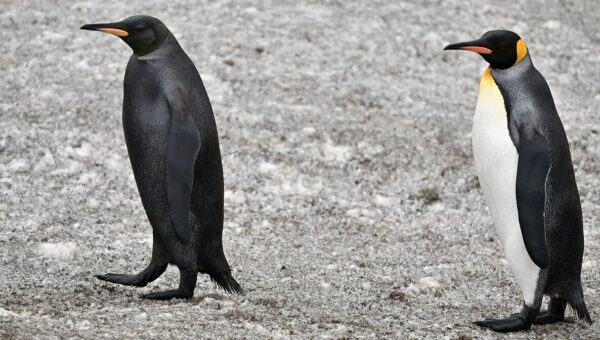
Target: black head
pixel 501 48
pixel 142 33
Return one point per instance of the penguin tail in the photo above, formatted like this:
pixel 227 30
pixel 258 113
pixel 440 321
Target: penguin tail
pixel 224 280
pixel 579 305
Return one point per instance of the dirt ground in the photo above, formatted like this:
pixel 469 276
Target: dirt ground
pixel 352 204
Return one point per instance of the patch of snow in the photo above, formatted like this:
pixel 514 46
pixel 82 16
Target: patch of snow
pixel 298 188
pixel 265 224
pixel 353 212
pixel 369 149
pixel 424 285
pixel 7 313
pixel 92 203
pixel 266 167
pixel 309 131
pixel 70 168
pixel 429 282
pixel 84 325
pixel 141 316
pixel 115 162
pixel 45 163
pixel 235 197
pixel 59 250
pixel 589 264
pixel 18 165
pixel 382 201
pixel 85 150
pixel 335 153
pixel 552 25
pixel 87 178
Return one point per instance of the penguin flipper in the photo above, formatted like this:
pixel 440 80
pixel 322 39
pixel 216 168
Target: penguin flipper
pixel 532 170
pixel 182 148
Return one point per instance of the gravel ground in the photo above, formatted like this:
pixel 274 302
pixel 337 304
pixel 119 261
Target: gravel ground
pixel 352 205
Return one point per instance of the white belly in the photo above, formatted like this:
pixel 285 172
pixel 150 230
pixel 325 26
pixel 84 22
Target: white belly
pixel 496 161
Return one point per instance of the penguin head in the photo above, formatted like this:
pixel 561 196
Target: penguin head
pixel 501 49
pixel 142 33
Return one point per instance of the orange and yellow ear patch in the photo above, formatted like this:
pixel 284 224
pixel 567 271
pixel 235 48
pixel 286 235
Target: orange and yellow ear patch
pixel 521 50
pixel 117 32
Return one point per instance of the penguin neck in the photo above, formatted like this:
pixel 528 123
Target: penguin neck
pixel 163 49
pixel 521 65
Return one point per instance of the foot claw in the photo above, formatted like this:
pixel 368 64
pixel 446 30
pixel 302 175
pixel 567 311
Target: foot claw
pixel 168 295
pixel 546 317
pixel 509 324
pixel 124 279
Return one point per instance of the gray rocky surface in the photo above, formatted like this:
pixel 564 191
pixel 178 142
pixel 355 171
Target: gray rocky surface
pixel 352 206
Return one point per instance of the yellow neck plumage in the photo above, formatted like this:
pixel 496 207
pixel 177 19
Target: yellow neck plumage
pixel 490 99
pixel 488 87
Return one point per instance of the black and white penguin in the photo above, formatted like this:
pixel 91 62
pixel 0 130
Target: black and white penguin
pixel 524 166
pixel 173 146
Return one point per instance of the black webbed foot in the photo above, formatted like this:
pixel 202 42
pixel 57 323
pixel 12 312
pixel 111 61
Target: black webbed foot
pixel 169 294
pixel 546 317
pixel 515 322
pixel 187 285
pixel 149 274
pixel 510 324
pixel 123 279
pixel 554 314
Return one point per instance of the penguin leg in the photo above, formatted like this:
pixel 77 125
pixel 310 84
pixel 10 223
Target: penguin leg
pixel 515 322
pixel 555 312
pixel 187 284
pixel 141 279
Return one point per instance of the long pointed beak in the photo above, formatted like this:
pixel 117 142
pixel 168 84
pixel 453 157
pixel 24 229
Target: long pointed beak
pixel 112 28
pixel 473 46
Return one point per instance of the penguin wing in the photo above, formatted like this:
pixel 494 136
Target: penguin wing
pixel 182 148
pixel 532 171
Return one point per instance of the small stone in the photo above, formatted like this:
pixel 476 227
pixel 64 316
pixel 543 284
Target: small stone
pixel 399 296
pixel 430 194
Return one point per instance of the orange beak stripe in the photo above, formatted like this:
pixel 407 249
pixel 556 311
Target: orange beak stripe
pixel 478 49
pixel 117 32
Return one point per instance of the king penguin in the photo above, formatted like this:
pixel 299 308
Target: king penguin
pixel 524 167
pixel 173 146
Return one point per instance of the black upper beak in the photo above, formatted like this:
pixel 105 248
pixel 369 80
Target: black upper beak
pixel 112 28
pixel 460 45
pixel 456 46
pixel 93 27
pixel 478 46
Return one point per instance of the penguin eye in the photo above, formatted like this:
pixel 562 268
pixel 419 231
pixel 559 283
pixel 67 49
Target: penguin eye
pixel 139 28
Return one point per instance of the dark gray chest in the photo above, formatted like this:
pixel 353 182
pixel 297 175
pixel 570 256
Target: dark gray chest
pixel 145 108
